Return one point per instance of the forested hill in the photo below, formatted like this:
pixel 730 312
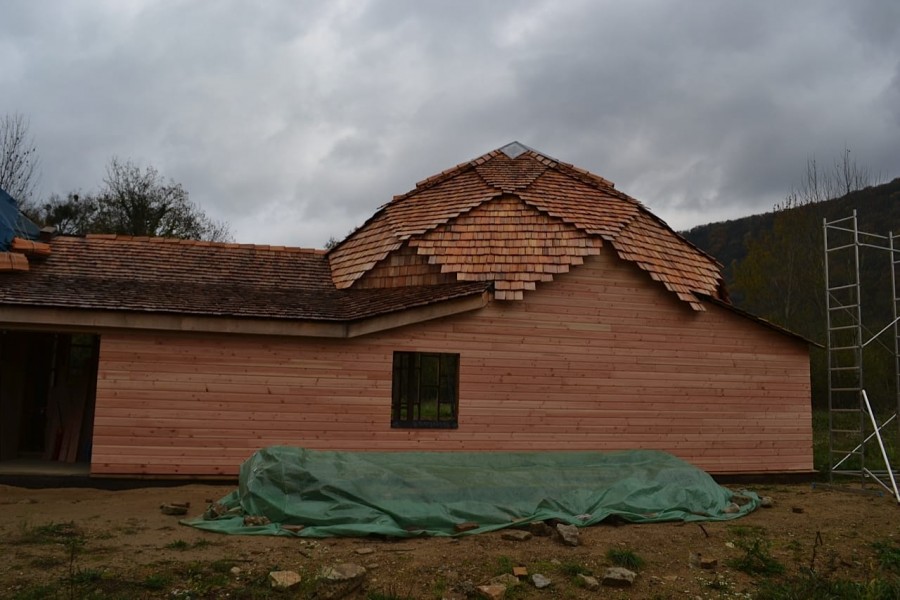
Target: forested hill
pixel 877 208
pixel 774 268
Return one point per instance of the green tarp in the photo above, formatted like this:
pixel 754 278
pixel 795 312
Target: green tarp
pixel 407 494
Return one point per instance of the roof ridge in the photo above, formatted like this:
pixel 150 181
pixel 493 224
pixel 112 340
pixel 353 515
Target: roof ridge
pixel 124 238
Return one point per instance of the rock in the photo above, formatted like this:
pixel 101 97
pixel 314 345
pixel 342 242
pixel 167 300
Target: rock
pixel 708 563
pixel 466 588
pixel 283 580
pixel 173 509
pixel 520 572
pixel 741 500
pixel 506 579
pixel 467 526
pixel 339 581
pixel 293 528
pixel 539 581
pixel 588 582
pixel 732 508
pixel 516 535
pixel 491 592
pixel 540 529
pixel 694 559
pixel 766 502
pixel 797 509
pixel 618 577
pixel 256 521
pixel 235 571
pixel 568 534
pixel 215 510
pixel 364 551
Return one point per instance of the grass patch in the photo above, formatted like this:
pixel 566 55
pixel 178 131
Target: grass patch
pixel 625 558
pixel 178 545
pixel 572 569
pixel 46 562
pixel 821 460
pixel 50 533
pixel 157 581
pixel 747 531
pixel 757 560
pixel 814 587
pixel 504 565
pixel 86 576
pixel 388 594
pixel 888 555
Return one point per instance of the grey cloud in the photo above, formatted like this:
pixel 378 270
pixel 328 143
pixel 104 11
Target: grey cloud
pixel 295 121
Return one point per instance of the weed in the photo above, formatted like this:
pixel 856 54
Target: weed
pixel 51 533
pixel 573 569
pixel 504 565
pixel 37 592
pixel 205 544
pixel 888 554
pixel 178 545
pixel 813 587
pixel 388 594
pixel 625 558
pixel 745 531
pixel 223 565
pixel 719 583
pixel 756 559
pixel 85 576
pixel 439 587
pixel 46 562
pixel 157 581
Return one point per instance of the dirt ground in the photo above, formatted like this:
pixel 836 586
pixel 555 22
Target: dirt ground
pixel 65 542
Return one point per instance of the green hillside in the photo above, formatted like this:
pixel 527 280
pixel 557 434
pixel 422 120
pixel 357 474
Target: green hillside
pixel 774 268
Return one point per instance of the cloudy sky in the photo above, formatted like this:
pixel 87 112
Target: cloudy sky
pixel 293 121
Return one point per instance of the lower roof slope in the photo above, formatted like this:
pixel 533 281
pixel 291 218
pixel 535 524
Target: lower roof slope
pixel 160 275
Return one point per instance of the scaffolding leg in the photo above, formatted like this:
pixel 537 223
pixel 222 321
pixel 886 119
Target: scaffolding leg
pixel 884 455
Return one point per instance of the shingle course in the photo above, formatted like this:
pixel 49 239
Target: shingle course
pixel 122 273
pixel 545 213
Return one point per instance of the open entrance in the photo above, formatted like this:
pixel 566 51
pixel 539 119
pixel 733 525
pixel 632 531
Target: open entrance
pixel 48 384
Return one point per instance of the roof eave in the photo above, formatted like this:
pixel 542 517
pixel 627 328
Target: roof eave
pixel 119 321
pixel 747 315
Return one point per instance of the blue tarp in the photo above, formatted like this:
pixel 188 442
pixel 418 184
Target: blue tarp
pixel 13 223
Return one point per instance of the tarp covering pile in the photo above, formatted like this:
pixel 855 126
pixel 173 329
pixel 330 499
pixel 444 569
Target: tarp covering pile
pixel 405 494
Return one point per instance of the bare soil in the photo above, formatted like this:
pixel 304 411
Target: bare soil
pixel 67 542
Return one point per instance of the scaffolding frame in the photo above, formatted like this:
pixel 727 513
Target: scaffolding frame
pixel 852 423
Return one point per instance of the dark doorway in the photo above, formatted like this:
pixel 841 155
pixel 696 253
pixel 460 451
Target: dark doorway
pixel 48 385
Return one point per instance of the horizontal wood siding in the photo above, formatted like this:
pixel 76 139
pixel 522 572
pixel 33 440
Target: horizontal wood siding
pixel 602 358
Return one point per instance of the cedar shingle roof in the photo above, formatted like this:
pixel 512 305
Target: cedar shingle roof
pixel 124 273
pixel 516 217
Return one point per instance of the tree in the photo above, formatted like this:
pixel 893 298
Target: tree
pixel 18 159
pixel 133 202
pixel 782 276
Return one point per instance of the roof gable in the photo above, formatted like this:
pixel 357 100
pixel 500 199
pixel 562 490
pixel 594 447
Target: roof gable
pixel 437 216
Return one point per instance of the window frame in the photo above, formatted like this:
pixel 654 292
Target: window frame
pixel 414 386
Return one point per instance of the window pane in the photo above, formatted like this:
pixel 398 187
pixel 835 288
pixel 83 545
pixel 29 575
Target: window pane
pixel 424 392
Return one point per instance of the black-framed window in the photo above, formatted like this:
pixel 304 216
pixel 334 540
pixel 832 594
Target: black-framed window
pixel 425 390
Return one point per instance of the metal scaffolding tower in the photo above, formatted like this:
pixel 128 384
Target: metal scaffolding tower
pixel 852 423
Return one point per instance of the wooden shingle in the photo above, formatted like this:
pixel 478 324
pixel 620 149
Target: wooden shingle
pixel 518 217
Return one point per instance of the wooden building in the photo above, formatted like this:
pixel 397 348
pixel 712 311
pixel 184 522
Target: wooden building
pixel 513 302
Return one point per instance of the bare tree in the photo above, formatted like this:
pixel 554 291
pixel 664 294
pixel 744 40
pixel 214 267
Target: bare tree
pixel 133 201
pixel 18 159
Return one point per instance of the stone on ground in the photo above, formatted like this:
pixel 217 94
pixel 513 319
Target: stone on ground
pixel 283 580
pixel 618 577
pixel 339 581
pixel 568 534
